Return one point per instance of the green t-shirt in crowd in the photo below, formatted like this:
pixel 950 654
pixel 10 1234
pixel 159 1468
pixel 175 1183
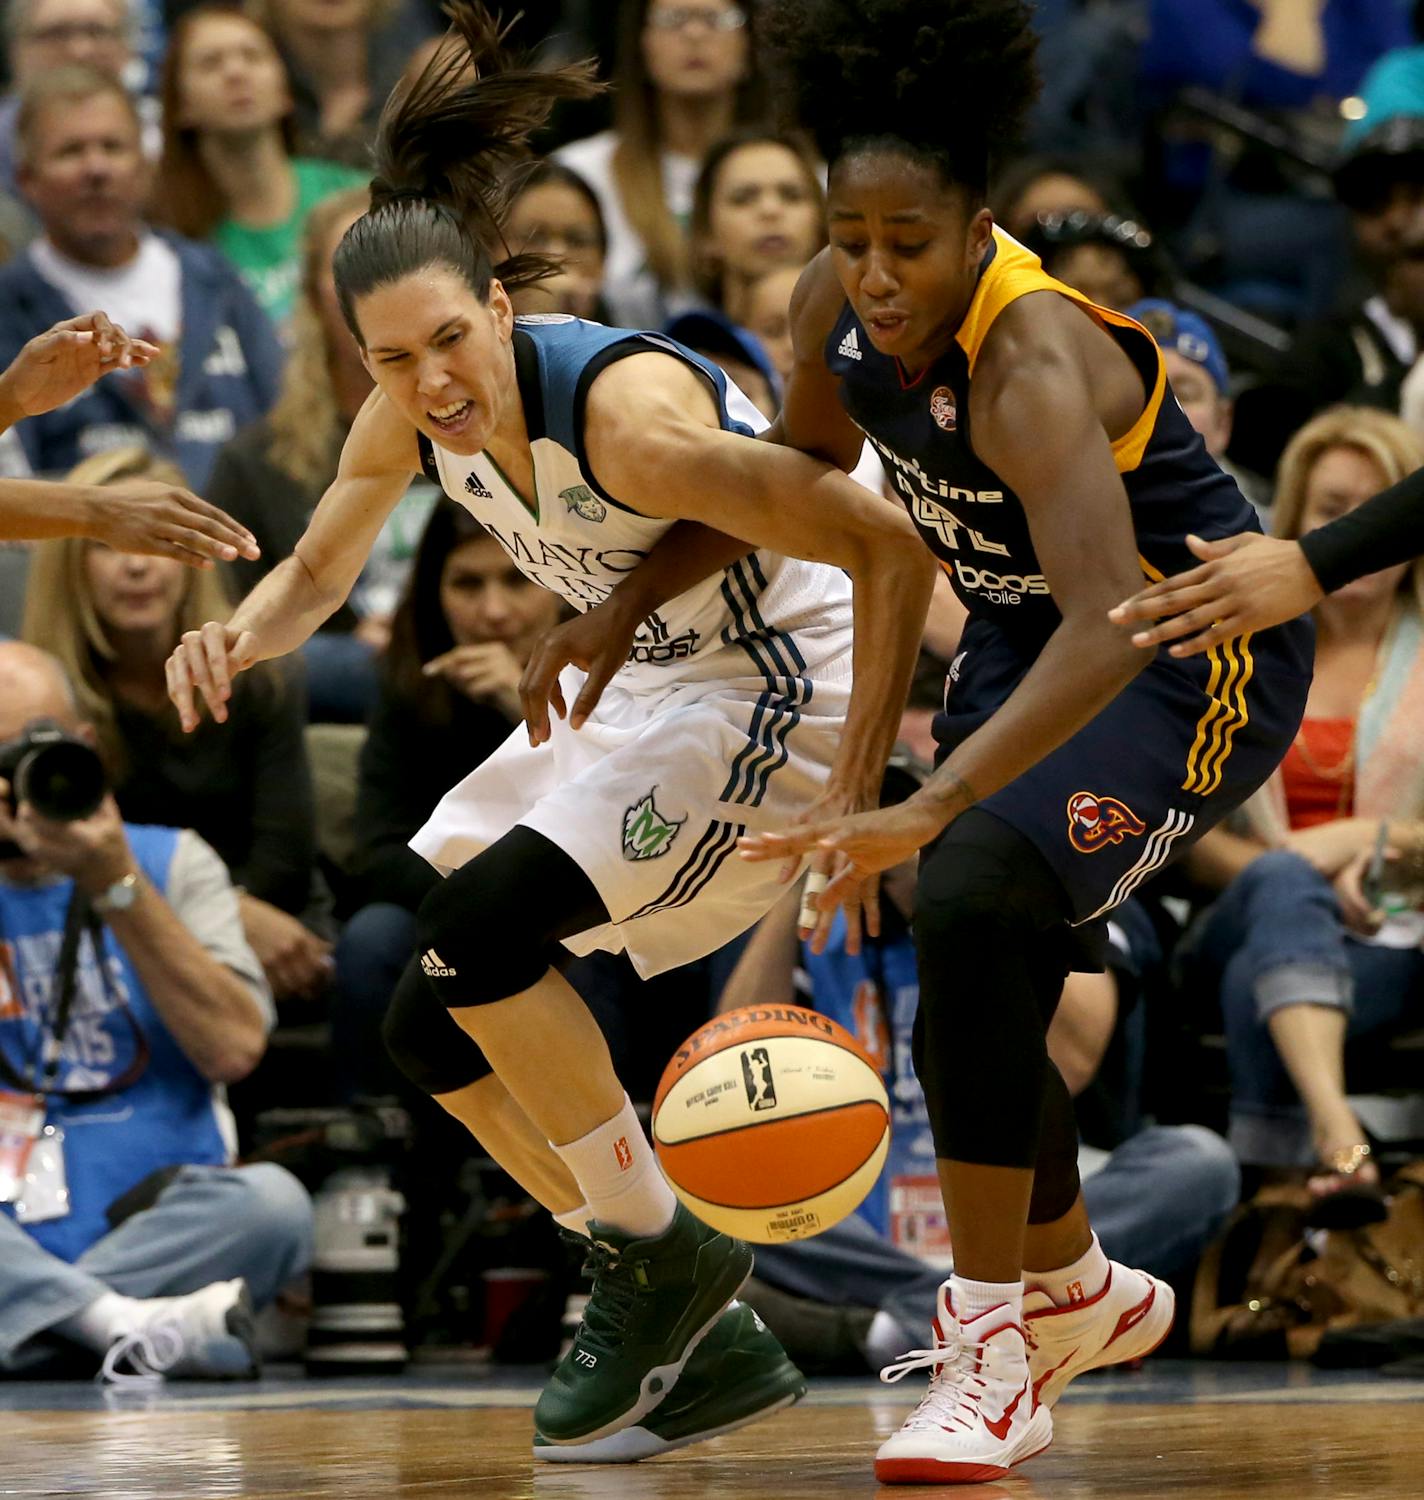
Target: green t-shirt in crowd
pixel 269 260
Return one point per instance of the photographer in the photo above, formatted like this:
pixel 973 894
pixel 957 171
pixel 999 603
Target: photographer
pixel 123 1230
pixel 50 370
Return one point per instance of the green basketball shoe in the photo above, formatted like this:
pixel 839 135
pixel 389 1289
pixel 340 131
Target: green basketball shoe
pixel 738 1374
pixel 653 1301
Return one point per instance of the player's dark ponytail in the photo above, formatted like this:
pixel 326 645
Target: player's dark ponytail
pixel 451 153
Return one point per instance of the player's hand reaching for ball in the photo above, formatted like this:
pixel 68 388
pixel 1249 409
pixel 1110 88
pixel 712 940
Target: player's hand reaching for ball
pixel 848 853
pixel 202 667
pixel 1247 582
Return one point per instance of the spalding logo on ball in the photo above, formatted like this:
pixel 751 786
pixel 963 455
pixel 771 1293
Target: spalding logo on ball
pixel 771 1123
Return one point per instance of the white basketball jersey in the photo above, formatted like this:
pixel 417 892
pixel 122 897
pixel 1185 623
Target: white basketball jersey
pixel 570 536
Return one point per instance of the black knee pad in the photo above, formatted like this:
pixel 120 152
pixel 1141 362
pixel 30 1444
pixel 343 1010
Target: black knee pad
pixel 492 929
pixel 425 1042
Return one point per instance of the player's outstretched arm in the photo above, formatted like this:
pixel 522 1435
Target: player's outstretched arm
pixel 57 365
pixel 378 461
pixel 1246 582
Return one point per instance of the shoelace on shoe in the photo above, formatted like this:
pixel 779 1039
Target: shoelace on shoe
pixel 616 1289
pixel 151 1351
pixel 952 1399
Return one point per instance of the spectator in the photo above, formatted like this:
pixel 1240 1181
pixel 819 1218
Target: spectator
pixel 112 619
pixel 1196 367
pixel 743 359
pixel 757 207
pixel 1036 185
pixel 1293 943
pixel 42 35
pixel 1361 355
pixel 768 315
pixel 1268 56
pixel 227 172
pixel 343 59
pixel 466 625
pixel 83 173
pixel 1201 381
pixel 154 1260
pixel 556 214
pixel 276 470
pixel 1114 261
pixel 683 79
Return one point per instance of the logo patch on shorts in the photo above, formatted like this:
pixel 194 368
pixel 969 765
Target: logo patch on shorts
pixel 646 833
pixel 943 409
pixel 1095 822
pixel 583 502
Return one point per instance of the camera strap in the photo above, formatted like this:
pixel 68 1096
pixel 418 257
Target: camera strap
pixel 39 1075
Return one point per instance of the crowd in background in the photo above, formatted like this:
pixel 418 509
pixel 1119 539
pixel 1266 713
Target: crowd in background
pixel 1247 179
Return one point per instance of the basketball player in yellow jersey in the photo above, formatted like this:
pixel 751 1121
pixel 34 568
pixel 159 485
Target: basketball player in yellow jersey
pixel 1037 447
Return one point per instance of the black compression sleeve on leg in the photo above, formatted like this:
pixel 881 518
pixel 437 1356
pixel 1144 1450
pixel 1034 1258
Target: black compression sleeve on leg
pixel 492 929
pixel 1055 1173
pixel 426 1042
pixel 992 937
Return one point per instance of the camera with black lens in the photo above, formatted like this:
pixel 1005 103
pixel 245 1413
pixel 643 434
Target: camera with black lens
pixel 60 776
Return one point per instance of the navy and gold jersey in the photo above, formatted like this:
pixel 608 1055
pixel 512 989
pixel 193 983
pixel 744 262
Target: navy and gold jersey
pixel 1186 740
pixel 972 522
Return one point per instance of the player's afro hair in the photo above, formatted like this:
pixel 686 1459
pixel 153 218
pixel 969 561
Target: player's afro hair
pixel 952 80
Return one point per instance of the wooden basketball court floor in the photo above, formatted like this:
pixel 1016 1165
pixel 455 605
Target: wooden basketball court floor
pixel 1218 1432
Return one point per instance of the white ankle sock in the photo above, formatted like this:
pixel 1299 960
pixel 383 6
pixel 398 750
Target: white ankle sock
pixel 575 1221
pixel 98 1325
pixel 974 1298
pixel 1085 1278
pixel 619 1176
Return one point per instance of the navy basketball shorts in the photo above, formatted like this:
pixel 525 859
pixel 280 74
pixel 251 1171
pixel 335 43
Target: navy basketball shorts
pixel 1183 745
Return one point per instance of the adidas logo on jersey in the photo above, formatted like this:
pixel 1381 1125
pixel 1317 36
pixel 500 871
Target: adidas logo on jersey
pixel 435 967
pixel 850 346
pixel 475 488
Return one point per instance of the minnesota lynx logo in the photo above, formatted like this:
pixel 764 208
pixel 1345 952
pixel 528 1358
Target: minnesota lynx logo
pixel 583 502
pixel 646 833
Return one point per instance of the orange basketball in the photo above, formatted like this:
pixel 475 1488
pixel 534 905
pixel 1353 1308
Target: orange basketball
pixel 771 1123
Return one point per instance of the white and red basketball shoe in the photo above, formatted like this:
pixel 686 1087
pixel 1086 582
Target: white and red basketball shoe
pixel 979 1417
pixel 1128 1319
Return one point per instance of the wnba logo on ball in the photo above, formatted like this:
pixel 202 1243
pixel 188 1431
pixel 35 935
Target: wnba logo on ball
pixel 756 1074
pixel 1095 822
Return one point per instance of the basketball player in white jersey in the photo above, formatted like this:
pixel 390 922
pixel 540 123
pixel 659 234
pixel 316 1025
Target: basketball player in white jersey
pixel 579 447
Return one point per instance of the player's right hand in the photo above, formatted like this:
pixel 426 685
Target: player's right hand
pixel 165 520
pixel 598 642
pixel 207 660
pixel 1247 582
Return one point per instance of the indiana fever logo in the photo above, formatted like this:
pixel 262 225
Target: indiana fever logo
pixel 1096 822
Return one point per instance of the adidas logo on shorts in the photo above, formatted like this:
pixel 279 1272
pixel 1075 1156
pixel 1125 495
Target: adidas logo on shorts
pixel 435 967
pixel 475 488
pixel 850 346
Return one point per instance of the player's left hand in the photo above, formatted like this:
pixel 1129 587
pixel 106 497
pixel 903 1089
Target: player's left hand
pixel 598 642
pixel 57 365
pixel 851 850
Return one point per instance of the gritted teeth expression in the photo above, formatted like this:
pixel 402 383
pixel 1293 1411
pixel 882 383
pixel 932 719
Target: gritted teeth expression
pixel 440 355
pixel 906 248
